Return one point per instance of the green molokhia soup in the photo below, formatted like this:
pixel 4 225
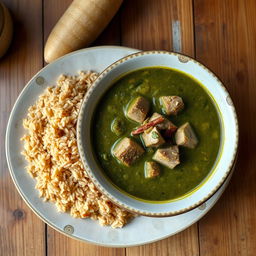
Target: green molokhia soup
pixel 112 125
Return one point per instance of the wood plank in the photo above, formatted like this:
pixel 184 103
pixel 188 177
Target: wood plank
pixel 148 25
pixel 184 243
pixel 21 231
pixel 184 14
pixel 110 35
pixel 59 244
pixel 226 42
pixel 144 24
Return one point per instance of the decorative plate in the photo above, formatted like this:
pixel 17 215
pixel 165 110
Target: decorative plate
pixel 141 230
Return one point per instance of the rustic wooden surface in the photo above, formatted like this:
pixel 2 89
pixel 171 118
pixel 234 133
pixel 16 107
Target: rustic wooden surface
pixel 219 33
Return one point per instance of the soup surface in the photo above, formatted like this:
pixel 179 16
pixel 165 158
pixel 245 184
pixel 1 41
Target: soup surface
pixel 199 111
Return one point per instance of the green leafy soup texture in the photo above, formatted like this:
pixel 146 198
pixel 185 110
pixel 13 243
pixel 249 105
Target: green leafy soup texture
pixel 199 111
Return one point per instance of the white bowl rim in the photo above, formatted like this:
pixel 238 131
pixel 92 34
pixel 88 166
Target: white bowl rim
pixel 86 163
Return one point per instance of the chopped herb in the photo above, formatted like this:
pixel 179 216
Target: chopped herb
pixel 105 156
pixel 155 135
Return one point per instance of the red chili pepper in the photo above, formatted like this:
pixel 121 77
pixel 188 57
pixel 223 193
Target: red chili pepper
pixel 144 127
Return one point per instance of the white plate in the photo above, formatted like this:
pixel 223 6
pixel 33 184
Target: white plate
pixel 141 230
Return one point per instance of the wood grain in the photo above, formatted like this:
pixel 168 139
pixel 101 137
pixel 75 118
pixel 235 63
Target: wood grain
pixel 226 42
pixel 111 35
pixel 147 25
pixel 21 231
pixel 184 14
pixel 59 244
pixel 182 244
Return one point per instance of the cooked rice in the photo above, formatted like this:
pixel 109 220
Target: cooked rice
pixel 50 147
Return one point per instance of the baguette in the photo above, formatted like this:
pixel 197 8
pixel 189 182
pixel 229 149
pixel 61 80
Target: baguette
pixel 79 26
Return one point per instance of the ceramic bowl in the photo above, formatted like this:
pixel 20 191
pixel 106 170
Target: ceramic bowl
pixel 229 132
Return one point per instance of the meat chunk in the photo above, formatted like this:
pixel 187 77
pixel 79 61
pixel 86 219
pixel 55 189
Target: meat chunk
pixel 127 151
pixel 167 156
pixel 152 169
pixel 172 104
pixel 152 138
pixel 185 136
pixel 167 124
pixel 138 109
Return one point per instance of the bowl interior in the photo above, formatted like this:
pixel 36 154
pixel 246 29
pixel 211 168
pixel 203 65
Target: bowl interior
pixel 228 120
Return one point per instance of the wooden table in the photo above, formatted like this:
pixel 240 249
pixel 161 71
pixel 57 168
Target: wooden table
pixel 219 33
